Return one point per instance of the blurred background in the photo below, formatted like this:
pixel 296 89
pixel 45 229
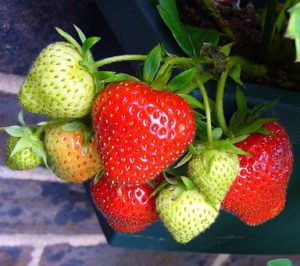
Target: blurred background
pixel 44 221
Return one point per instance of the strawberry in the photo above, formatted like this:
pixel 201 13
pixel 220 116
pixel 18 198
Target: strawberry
pixel 186 215
pixel 21 160
pixel 140 131
pixel 259 191
pixel 128 208
pixel 213 172
pixel 57 85
pixel 69 161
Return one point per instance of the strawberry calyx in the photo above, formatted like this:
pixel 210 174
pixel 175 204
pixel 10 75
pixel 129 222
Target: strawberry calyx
pixel 246 121
pixel 28 138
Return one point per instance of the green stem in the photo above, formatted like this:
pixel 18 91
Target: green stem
pixel 119 58
pixel 39 131
pixel 207 109
pixel 219 103
pixel 171 61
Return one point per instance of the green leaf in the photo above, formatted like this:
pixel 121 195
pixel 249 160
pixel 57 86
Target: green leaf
pixel 201 129
pixel 226 49
pixel 89 43
pixel 254 126
pixel 280 262
pixel 39 150
pixel 192 101
pixel 21 118
pixel 80 34
pixel 120 77
pixel 22 144
pixel 188 183
pixel 190 39
pixel 152 64
pixel 73 126
pixel 182 80
pixel 70 39
pixel 235 74
pixel 293 29
pixel 87 134
pixel 217 133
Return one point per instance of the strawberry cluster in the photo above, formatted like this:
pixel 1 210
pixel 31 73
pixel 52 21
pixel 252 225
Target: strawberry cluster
pixel 152 150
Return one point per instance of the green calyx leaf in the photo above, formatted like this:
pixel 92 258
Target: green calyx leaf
pixel 119 77
pixel 188 183
pixel 89 43
pixel 190 39
pixel 182 80
pixel 98 176
pixel 228 146
pixel 38 148
pixel 184 160
pixel 22 144
pixel 254 126
pixel 21 119
pixel 177 190
pixel 80 34
pixel 245 121
pixel 152 64
pixel 192 101
pixel 70 39
pixel 17 131
pixel 159 188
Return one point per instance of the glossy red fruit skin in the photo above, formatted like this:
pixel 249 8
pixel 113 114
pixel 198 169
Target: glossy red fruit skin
pixel 140 131
pixel 127 208
pixel 259 191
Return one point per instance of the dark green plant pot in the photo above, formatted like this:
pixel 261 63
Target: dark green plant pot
pixel 138 28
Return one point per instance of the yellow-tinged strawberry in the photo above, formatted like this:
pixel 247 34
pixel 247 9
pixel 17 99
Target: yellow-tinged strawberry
pixel 67 155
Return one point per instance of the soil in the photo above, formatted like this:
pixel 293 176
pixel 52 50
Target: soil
pixel 242 17
pixel 243 21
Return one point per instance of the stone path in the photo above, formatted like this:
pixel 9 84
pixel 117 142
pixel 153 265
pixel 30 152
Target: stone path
pixel 46 222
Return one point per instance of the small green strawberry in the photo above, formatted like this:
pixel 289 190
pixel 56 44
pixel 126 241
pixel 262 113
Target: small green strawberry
pixel 22 160
pixel 25 150
pixel 185 215
pixel 213 172
pixel 57 85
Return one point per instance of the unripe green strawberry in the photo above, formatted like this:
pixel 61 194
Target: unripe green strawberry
pixel 213 173
pixel 187 216
pixel 22 160
pixel 57 85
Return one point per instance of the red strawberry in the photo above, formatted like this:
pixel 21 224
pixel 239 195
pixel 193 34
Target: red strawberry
pixel 128 208
pixel 259 191
pixel 140 130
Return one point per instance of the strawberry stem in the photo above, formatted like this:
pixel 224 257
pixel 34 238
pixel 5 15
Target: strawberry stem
pixel 207 109
pixel 119 58
pixel 219 103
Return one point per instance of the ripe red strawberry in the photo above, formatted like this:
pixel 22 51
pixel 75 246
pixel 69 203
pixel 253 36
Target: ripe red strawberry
pixel 259 191
pixel 140 131
pixel 128 208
